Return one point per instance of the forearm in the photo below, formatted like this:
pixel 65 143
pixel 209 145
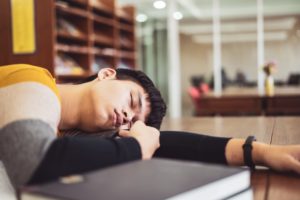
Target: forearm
pixel 73 155
pixel 190 146
pixel 234 152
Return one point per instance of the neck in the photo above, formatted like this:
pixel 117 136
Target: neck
pixel 71 99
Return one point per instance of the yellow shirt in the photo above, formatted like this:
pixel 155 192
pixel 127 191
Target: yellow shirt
pixel 28 92
pixel 12 74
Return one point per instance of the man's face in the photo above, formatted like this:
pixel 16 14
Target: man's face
pixel 117 103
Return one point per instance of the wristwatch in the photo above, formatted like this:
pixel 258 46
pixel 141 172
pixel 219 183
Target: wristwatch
pixel 247 147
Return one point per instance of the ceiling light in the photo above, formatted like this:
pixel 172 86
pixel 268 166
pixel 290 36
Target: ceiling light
pixel 141 18
pixel 159 4
pixel 284 24
pixel 242 37
pixel 177 15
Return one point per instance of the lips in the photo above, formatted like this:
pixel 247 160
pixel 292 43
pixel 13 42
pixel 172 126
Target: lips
pixel 118 120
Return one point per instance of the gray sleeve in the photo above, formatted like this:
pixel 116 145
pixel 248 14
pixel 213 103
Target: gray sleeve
pixel 22 147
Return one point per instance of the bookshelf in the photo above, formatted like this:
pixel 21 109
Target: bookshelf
pixel 76 38
pixel 126 36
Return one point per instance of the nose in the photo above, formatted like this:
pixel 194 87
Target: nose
pixel 127 116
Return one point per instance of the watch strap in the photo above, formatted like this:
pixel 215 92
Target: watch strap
pixel 247 148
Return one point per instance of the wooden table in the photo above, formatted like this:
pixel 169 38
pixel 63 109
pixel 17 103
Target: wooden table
pixel 266 183
pixel 246 101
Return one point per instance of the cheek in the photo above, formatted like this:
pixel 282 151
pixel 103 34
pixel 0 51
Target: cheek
pixel 108 93
pixel 98 106
pixel 114 92
pixel 113 96
pixel 118 95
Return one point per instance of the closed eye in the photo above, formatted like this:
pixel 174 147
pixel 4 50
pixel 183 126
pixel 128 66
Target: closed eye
pixel 136 100
pixel 140 101
pixel 131 100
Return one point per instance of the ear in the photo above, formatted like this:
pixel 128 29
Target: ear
pixel 107 73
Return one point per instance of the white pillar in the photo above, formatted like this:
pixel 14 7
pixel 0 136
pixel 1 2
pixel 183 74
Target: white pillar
pixel 260 46
pixel 217 48
pixel 149 50
pixel 174 85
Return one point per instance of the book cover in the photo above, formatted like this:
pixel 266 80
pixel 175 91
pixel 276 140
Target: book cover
pixel 152 179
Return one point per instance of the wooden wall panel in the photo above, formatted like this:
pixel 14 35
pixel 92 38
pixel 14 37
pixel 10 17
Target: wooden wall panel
pixel 44 27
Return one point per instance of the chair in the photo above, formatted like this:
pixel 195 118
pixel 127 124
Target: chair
pixel 294 79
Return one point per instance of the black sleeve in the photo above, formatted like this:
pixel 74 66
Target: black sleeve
pixel 190 146
pixel 73 155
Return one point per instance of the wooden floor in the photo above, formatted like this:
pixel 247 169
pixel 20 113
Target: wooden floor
pixel 266 184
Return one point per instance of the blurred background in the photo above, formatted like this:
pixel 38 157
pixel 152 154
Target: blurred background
pixel 208 57
pixel 238 41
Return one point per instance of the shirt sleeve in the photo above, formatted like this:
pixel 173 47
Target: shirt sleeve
pixel 192 146
pixel 75 155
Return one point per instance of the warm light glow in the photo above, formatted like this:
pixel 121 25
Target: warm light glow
pixel 298 33
pixel 141 18
pixel 159 4
pixel 177 15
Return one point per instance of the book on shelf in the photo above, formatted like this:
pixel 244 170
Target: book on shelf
pixel 66 65
pixel 66 27
pixel 151 179
pixel 100 63
pixel 102 5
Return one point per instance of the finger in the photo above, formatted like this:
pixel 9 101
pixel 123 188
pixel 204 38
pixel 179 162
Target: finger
pixel 124 133
pixel 139 123
pixel 294 165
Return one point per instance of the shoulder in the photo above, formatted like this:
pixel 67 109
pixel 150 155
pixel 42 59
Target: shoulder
pixel 20 73
pixel 28 92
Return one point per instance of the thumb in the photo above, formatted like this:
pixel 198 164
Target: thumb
pixel 124 133
pixel 294 165
pixel 138 124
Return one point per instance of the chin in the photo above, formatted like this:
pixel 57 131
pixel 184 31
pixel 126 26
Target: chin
pixel 103 123
pixel 107 126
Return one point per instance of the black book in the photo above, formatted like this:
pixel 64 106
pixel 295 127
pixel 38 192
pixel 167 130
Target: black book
pixel 152 179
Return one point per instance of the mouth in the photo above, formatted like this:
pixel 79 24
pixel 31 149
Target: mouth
pixel 117 119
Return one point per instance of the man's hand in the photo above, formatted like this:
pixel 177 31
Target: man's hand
pixel 148 138
pixel 283 158
pixel 277 157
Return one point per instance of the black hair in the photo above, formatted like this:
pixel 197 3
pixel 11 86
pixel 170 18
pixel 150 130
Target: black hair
pixel 158 106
